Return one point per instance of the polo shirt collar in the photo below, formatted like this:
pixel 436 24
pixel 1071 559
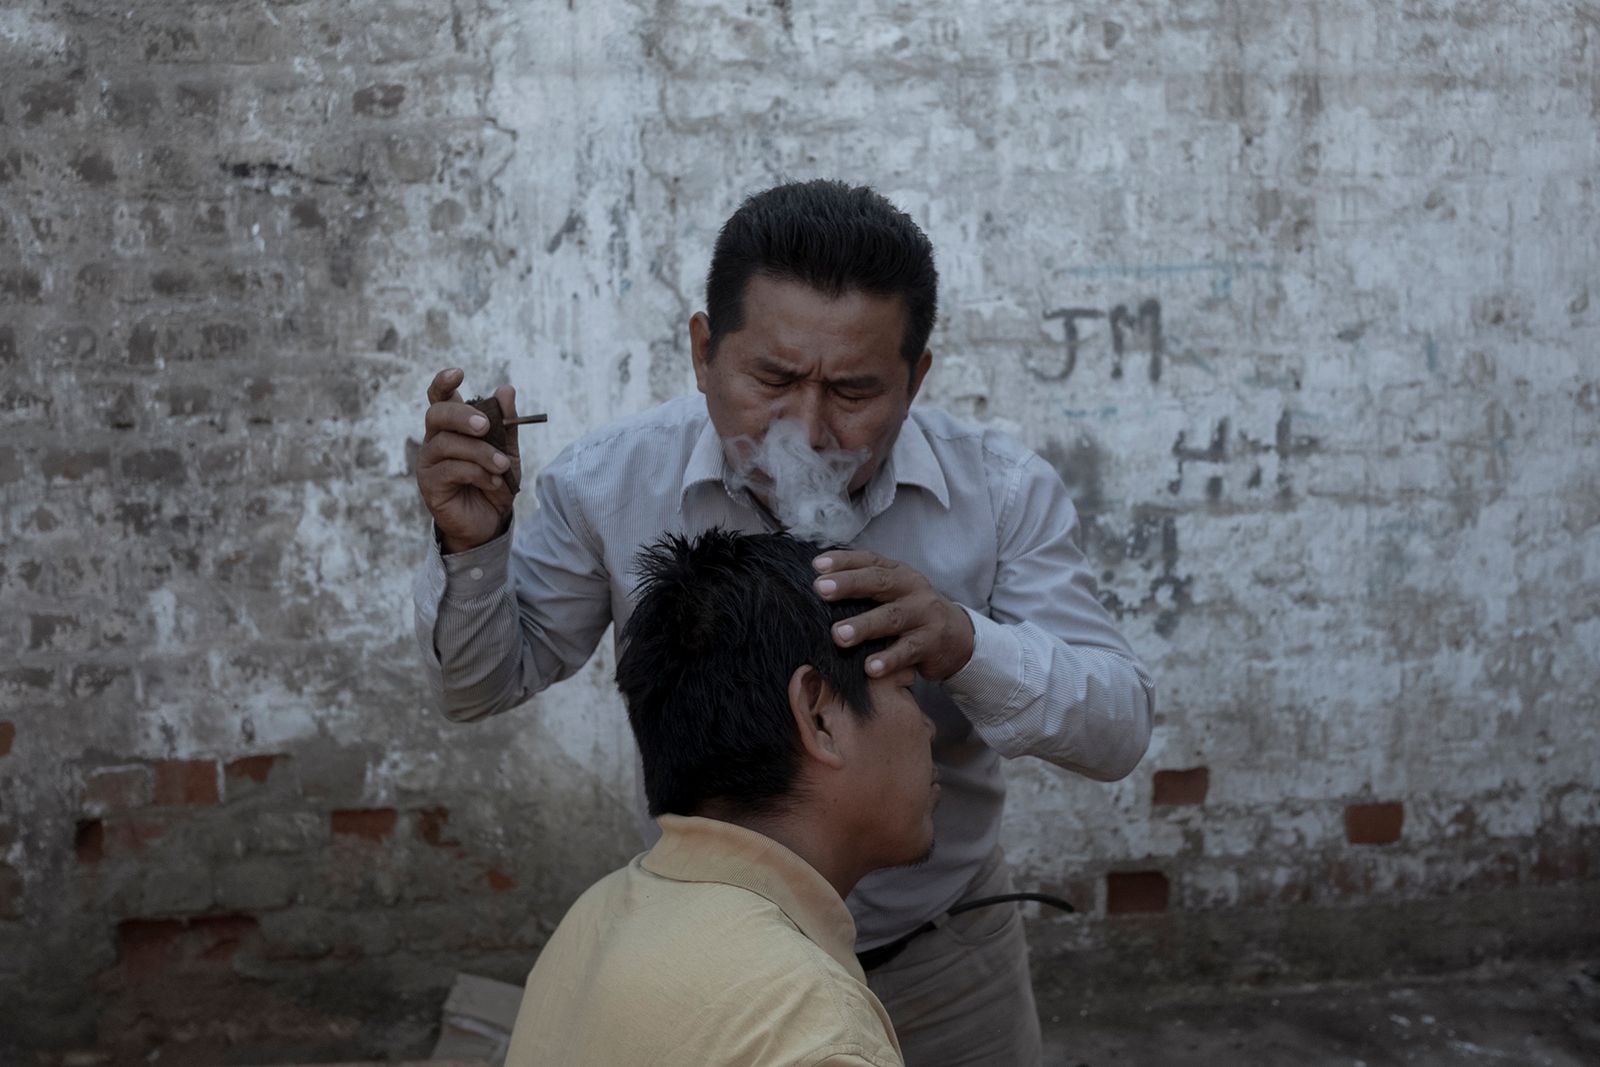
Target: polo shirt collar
pixel 694 849
pixel 911 462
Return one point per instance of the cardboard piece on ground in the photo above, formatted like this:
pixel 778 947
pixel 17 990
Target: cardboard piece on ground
pixel 478 1016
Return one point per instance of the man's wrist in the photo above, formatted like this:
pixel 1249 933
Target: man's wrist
pixel 966 638
pixel 449 546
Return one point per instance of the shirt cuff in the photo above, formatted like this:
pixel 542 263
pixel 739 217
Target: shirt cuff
pixel 477 572
pixel 988 688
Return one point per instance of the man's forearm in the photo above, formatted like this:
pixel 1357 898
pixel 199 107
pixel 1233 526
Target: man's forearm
pixel 1085 708
pixel 468 632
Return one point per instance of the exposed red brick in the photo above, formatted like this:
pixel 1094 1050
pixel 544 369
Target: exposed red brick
pixel 1373 824
pixel 430 827
pixel 144 945
pixel 1182 787
pixel 500 882
pixel 187 782
pixel 252 768
pixel 90 840
pixel 8 734
pixel 1557 863
pixel 116 789
pixel 153 947
pixel 1130 892
pixel 372 824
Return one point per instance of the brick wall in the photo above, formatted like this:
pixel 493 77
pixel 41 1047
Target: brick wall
pixel 1303 305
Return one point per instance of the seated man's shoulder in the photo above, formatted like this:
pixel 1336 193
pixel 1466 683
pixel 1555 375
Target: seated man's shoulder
pixel 769 986
pixel 709 966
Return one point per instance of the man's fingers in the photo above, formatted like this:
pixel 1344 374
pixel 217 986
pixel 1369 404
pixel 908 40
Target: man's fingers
pixel 846 559
pixel 453 416
pixel 444 385
pixel 453 473
pixel 906 652
pixel 889 620
pixel 454 446
pixel 883 580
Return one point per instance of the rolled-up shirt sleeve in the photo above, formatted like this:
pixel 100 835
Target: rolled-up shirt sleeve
pixel 500 622
pixel 1050 676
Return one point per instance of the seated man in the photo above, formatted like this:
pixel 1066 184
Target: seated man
pixel 780 774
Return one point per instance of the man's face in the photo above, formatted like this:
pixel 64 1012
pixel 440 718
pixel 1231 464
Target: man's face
pixel 894 786
pixel 834 365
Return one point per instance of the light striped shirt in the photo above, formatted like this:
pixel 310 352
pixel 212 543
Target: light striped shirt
pixel 987 521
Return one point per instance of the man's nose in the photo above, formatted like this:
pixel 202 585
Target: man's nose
pixel 807 405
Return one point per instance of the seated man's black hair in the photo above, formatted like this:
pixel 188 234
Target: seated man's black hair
pixel 721 623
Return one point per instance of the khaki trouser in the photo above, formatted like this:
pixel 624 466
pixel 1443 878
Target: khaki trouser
pixel 960 995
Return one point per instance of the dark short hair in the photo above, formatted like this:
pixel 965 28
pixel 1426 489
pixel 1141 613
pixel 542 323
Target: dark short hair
pixel 834 238
pixel 720 625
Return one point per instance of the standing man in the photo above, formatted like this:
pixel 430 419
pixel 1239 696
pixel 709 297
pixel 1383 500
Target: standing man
pixel 819 304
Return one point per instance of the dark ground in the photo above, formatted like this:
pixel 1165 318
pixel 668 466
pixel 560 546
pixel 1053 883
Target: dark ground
pixel 1543 1016
pixel 1528 1015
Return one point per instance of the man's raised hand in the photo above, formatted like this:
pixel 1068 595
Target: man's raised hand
pixel 929 631
pixel 463 479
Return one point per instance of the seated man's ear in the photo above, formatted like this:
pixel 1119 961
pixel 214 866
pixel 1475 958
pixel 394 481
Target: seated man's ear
pixel 819 715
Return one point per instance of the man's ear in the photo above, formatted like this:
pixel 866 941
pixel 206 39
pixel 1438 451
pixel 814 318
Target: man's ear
pixel 700 346
pixel 920 370
pixel 818 716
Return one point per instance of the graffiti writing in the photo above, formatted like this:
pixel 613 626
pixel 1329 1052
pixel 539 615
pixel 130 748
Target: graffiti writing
pixel 1135 331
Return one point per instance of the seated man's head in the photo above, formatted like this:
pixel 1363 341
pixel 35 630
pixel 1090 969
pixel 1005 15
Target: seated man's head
pixel 745 710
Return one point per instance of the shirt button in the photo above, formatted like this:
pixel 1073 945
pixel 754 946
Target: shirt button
pixel 475 573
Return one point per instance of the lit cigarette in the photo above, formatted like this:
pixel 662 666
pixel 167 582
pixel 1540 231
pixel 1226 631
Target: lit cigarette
pixel 523 420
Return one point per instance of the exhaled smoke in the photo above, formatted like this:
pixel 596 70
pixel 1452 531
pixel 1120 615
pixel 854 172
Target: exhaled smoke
pixel 808 490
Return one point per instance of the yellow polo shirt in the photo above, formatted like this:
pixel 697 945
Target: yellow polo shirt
pixel 718 947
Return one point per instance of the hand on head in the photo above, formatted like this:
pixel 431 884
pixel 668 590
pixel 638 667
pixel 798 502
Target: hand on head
pixel 928 631
pixel 465 482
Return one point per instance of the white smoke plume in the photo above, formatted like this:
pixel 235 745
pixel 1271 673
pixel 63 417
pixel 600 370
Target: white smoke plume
pixel 807 490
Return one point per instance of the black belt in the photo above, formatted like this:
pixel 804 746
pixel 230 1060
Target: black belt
pixel 876 957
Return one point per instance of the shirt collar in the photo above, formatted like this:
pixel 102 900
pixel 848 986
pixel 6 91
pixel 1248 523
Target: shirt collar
pixel 693 849
pixel 706 462
pixel 911 462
